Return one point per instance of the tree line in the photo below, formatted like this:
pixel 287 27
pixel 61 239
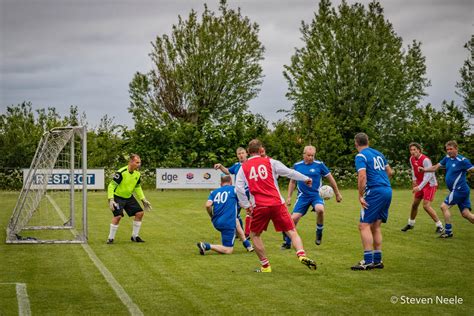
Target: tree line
pixel 351 74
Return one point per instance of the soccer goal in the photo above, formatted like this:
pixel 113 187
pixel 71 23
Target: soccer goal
pixel 52 206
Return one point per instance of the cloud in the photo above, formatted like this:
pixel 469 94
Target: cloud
pixel 63 52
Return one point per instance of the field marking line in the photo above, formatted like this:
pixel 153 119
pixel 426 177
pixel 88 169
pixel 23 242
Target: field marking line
pixel 114 284
pixel 119 290
pixel 22 298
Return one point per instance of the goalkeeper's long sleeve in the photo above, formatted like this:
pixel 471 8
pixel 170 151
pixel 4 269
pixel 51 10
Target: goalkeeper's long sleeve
pixel 111 189
pixel 139 191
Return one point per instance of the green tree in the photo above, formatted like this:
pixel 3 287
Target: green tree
pixel 354 74
pixel 464 86
pixel 19 134
pixel 21 129
pixel 105 144
pixel 284 142
pixel 206 69
pixel 191 109
pixel 433 128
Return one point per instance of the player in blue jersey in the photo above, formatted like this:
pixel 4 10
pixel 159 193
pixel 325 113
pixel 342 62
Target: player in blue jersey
pixel 309 196
pixel 242 157
pixel 457 166
pixel 222 206
pixel 375 196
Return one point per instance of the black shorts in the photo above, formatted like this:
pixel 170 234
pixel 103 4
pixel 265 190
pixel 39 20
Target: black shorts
pixel 130 206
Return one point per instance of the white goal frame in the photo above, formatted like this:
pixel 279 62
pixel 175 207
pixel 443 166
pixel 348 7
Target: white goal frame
pixel 50 146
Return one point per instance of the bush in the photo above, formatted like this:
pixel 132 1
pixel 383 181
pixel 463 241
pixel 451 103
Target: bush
pixel 11 179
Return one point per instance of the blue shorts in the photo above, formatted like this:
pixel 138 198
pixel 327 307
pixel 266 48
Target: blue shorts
pixel 379 199
pixel 459 198
pixel 228 237
pixel 304 202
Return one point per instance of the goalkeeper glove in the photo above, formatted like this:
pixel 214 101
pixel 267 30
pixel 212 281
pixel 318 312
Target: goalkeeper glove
pixel 146 205
pixel 113 205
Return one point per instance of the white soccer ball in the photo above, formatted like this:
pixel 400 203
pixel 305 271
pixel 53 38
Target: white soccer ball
pixel 326 192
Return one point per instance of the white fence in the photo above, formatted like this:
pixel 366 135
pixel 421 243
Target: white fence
pixel 188 178
pixel 166 178
pixel 60 179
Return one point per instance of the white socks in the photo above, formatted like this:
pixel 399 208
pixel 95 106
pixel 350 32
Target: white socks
pixel 113 230
pixel 135 231
pixel 136 228
pixel 411 222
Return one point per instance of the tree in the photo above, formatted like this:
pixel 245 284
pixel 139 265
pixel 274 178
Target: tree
pixel 204 70
pixel 191 109
pixel 105 145
pixel 19 135
pixel 354 71
pixel 432 128
pixel 464 86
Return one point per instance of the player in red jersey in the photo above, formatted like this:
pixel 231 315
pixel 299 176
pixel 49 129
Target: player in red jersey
pixel 260 174
pixel 424 187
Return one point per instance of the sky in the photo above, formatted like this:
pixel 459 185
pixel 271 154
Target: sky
pixel 57 53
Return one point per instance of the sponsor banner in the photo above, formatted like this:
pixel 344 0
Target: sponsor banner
pixel 60 179
pixel 186 178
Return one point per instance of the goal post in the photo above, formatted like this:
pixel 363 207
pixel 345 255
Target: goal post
pixel 52 205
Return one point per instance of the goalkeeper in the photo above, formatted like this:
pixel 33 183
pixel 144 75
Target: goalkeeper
pixel 126 181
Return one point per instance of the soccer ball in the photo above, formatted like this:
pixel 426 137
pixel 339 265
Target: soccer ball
pixel 326 192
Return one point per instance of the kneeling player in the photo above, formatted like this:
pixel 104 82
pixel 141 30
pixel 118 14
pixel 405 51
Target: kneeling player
pixel 222 207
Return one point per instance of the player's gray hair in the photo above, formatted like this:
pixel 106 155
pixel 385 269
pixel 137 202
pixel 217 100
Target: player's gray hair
pixel 309 147
pixel 240 149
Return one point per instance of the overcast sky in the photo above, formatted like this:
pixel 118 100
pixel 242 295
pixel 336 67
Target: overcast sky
pixel 62 52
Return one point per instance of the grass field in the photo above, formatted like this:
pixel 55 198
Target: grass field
pixel 166 275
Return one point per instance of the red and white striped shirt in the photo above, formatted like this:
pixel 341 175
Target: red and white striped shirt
pixel 422 178
pixel 260 174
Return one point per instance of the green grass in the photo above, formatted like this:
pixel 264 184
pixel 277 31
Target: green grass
pixel 166 275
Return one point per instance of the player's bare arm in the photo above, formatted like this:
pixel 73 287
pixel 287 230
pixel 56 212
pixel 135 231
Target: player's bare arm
pixel 291 188
pixel 221 168
pixel 433 168
pixel 333 184
pixel 389 171
pixel 209 208
pixel 361 182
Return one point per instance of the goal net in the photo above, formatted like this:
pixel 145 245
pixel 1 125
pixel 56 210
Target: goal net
pixel 52 205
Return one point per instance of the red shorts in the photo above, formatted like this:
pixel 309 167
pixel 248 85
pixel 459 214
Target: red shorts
pixel 278 214
pixel 427 193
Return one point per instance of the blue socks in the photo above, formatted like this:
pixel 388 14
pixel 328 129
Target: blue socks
pixel 207 246
pixel 246 243
pixel 319 228
pixel 368 256
pixel 377 256
pixel 448 228
pixel 287 240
